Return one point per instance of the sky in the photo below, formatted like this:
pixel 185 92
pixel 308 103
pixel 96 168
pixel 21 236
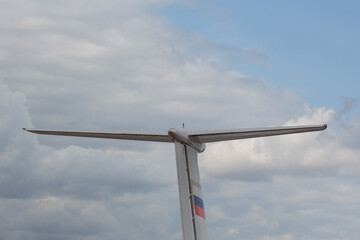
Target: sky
pixel 153 65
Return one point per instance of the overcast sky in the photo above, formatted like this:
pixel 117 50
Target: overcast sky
pixel 152 65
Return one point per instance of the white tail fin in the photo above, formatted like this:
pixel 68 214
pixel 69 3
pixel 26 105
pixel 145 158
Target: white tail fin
pixel 191 203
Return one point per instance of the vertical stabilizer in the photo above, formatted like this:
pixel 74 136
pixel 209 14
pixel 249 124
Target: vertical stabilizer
pixel 191 203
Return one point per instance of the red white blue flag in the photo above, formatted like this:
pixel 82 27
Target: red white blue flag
pixel 199 207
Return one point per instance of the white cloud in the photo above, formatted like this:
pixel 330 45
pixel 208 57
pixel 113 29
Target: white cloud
pixel 118 65
pixel 300 186
pixel 134 67
pixel 282 237
pixel 79 192
pixel 312 154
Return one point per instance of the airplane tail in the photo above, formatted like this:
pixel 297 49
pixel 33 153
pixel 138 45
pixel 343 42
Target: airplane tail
pixel 187 146
pixel 194 139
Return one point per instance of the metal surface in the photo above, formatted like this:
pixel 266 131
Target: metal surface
pixel 125 135
pixel 182 136
pixel 225 135
pixel 187 146
pixel 193 225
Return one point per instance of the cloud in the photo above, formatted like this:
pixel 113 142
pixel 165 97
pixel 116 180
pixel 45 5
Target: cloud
pixel 287 187
pixel 119 65
pixel 132 68
pixel 348 104
pixel 311 154
pixel 77 193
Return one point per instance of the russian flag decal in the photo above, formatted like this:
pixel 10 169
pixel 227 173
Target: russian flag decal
pixel 199 207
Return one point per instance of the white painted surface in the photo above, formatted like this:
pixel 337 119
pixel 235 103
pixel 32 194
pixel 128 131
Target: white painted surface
pixel 194 227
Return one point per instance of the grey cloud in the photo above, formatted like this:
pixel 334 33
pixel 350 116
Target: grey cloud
pixel 348 104
pixel 118 65
pixel 16 148
pixel 333 152
pixel 77 193
pixel 137 68
pixel 128 217
pixel 300 207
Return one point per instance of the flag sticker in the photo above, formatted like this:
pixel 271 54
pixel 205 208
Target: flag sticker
pixel 199 207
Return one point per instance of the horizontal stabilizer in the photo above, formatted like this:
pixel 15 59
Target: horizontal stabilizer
pixel 193 136
pixel 224 135
pixel 126 135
